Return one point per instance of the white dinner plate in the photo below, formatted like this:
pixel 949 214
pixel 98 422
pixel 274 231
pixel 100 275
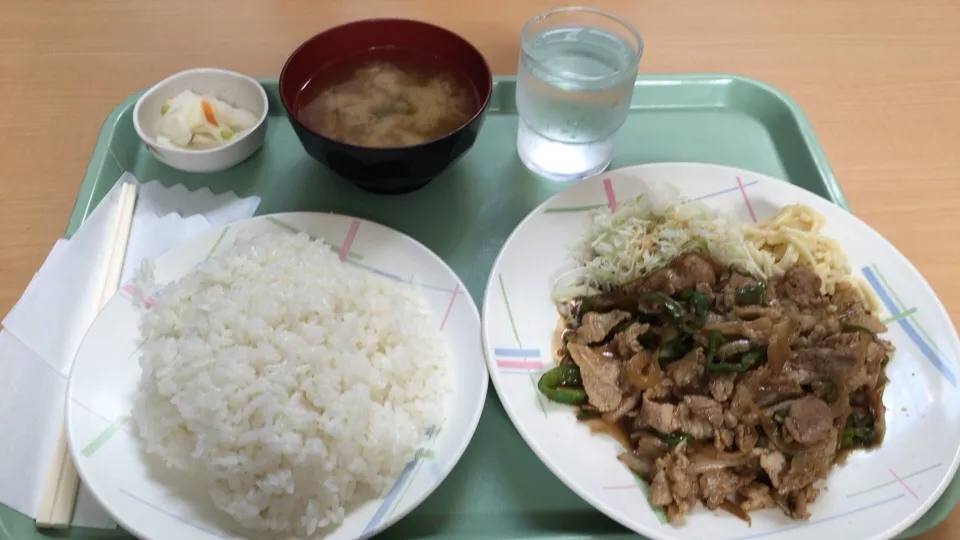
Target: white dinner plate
pixel 106 372
pixel 874 496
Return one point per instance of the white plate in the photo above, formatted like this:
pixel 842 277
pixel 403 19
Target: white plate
pixel 106 372
pixel 874 496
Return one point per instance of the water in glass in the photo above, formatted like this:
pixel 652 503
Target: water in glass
pixel 573 94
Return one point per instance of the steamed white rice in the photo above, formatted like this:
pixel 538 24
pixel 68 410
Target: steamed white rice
pixel 292 385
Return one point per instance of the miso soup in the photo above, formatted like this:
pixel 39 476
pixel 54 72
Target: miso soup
pixel 388 99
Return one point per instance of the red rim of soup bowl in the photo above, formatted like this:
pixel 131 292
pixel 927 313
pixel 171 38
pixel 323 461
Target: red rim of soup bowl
pixel 361 36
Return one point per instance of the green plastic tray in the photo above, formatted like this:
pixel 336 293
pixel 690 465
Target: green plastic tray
pixel 499 489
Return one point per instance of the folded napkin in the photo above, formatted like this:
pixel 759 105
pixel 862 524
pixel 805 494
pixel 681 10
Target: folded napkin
pixel 42 332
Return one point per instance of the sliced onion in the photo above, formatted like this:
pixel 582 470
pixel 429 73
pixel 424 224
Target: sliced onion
pixel 867 322
pixel 740 328
pixel 769 410
pixel 739 346
pixel 772 433
pixel 650 447
pixel 860 353
pixel 841 407
pixel 628 404
pixel 700 464
pixel 645 469
pixel 778 350
pixel 643 370
pixel 875 403
pixel 706 457
pixel 736 510
pixel 749 313
pixel 768 397
pixel 712 318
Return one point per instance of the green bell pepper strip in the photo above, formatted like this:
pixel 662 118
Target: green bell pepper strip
pixel 563 384
pixel 858 436
pixel 672 439
pixel 859 418
pixel 674 348
pixel 849 327
pixel 747 360
pixel 699 302
pixel 752 295
pixel 588 415
pixel 671 306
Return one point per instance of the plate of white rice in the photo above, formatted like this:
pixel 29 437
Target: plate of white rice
pixel 296 375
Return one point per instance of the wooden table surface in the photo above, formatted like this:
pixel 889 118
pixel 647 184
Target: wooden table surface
pixel 879 80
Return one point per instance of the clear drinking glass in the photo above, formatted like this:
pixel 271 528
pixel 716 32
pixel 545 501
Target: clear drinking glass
pixel 577 70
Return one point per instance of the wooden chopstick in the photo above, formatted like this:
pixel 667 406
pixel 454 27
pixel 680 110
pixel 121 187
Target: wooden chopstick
pixel 61 482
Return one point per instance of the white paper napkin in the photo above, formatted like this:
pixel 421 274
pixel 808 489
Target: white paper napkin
pixel 43 330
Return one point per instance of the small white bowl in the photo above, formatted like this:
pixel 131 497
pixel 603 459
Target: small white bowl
pixel 234 88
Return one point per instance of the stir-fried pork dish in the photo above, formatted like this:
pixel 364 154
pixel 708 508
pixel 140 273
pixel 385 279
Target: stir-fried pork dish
pixel 724 389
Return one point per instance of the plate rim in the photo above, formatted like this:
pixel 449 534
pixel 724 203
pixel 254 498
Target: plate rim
pixel 74 449
pixel 586 495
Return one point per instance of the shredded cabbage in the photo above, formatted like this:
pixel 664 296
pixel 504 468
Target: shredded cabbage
pixel 646 234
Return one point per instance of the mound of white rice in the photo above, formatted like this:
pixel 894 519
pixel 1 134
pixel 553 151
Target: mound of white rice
pixel 291 384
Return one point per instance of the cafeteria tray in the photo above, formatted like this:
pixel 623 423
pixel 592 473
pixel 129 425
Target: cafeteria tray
pixel 499 489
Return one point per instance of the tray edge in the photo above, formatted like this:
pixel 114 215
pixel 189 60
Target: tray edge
pixel 806 131
pixel 100 154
